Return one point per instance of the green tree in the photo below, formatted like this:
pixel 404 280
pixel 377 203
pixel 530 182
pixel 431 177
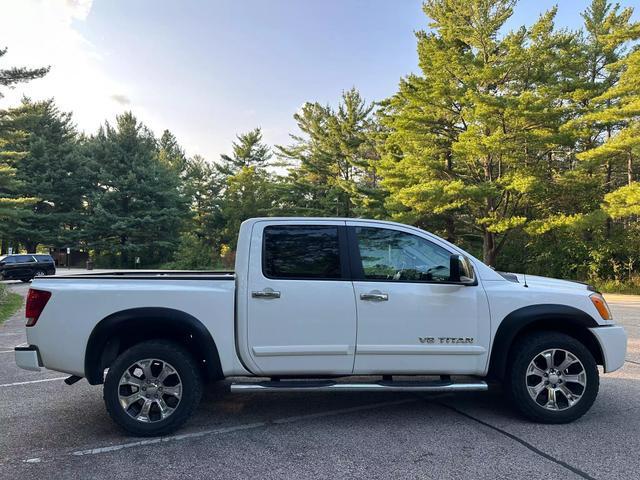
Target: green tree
pixel 248 151
pixel 332 162
pixel 246 187
pixel 570 221
pixel 171 153
pixel 9 77
pixel 200 241
pixel 11 204
pixel 137 209
pixel 468 142
pixel 54 170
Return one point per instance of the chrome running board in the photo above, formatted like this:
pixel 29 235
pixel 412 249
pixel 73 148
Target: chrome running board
pixel 382 386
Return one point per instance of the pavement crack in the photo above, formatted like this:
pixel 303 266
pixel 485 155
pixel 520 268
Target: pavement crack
pixel 522 442
pixel 632 361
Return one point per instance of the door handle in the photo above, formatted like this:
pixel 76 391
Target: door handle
pixel 375 296
pixel 266 293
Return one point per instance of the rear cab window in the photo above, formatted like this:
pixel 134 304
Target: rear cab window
pixel 298 252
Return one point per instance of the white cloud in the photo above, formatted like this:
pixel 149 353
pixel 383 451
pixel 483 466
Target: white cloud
pixel 41 32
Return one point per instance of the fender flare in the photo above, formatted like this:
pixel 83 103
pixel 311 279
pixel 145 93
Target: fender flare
pixel 545 316
pixel 158 320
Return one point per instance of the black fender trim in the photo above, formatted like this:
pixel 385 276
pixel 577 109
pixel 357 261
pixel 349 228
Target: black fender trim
pixel 542 316
pixel 127 324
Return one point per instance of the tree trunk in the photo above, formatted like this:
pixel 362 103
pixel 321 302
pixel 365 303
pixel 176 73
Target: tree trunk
pixel 608 221
pixel 489 251
pixel 451 229
pixel 124 255
pixel 30 246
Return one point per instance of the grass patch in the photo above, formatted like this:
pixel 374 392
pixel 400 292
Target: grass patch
pixel 614 286
pixel 9 303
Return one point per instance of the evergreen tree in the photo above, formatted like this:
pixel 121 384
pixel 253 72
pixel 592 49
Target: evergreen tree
pixel 468 141
pixel 332 163
pixel 248 151
pixel 54 170
pixel 12 206
pixel 137 210
pixel 247 187
pixel 170 152
pixel 9 77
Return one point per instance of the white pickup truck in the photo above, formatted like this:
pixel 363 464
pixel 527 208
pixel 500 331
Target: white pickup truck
pixel 313 300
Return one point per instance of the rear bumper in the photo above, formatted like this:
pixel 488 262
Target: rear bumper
pixel 28 357
pixel 613 342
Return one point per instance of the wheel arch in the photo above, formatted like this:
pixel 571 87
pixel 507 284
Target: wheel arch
pixel 121 330
pixel 543 317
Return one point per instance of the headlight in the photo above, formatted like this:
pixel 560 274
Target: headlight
pixel 601 305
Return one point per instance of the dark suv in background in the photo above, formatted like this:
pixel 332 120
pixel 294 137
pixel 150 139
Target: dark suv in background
pixel 25 267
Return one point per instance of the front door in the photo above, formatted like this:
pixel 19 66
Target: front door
pixel 301 307
pixel 411 318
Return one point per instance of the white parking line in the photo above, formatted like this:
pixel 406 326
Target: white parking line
pixel 218 431
pixel 6 351
pixel 15 384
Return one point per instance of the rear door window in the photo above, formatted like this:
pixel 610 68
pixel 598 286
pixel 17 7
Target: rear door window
pixel 302 252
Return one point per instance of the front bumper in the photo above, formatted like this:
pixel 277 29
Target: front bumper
pixel 613 343
pixel 28 357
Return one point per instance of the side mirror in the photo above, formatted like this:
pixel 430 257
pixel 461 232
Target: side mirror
pixel 461 271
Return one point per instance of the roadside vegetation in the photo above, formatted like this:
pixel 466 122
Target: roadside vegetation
pixel 9 303
pixel 521 146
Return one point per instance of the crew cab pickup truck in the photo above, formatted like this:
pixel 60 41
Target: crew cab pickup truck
pixel 312 304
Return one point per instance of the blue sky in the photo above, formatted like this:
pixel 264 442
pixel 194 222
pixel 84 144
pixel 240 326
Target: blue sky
pixel 208 70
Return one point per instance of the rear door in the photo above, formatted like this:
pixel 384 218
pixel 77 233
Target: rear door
pixel 301 306
pixel 23 266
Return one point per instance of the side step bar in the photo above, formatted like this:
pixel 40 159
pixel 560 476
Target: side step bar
pixel 382 386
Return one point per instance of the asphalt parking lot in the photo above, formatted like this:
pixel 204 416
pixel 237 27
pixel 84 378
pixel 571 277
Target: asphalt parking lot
pixel 51 430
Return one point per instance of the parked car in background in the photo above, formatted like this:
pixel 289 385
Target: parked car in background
pixel 26 267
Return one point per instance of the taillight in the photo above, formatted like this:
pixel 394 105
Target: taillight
pixel 36 301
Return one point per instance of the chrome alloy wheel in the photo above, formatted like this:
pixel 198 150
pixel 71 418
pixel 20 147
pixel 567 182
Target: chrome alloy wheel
pixel 150 390
pixel 556 379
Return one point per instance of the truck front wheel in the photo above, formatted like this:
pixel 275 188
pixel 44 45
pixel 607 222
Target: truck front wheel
pixel 152 388
pixel 553 378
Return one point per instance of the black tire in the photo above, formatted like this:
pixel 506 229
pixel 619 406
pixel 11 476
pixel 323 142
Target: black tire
pixel 26 280
pixel 189 375
pixel 524 351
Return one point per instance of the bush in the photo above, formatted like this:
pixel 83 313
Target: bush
pixel 630 287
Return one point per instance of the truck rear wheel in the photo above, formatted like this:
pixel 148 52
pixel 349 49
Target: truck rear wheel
pixel 152 388
pixel 553 378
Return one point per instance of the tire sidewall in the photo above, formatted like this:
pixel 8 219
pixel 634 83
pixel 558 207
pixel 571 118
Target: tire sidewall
pixel 186 368
pixel 525 352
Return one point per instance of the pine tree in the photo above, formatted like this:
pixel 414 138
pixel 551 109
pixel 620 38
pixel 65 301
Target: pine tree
pixel 9 77
pixel 11 205
pixel 53 170
pixel 332 162
pixel 137 209
pixel 247 187
pixel 248 151
pixel 468 140
pixel 171 153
